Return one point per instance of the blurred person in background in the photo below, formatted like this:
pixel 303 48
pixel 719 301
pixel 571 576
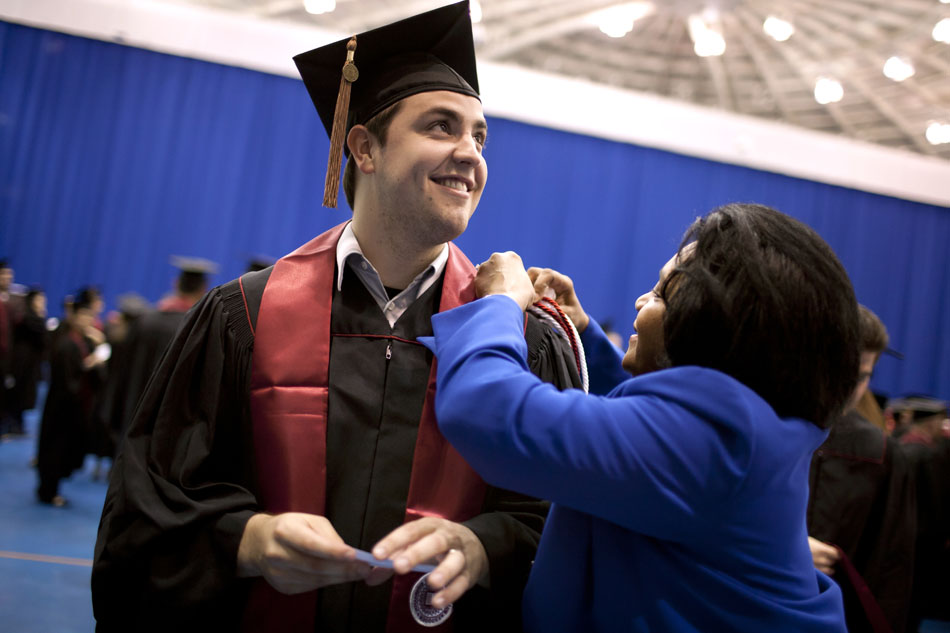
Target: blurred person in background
pixel 70 399
pixel 30 341
pixel 110 412
pixel 151 331
pixel 11 312
pixel 927 447
pixel 862 507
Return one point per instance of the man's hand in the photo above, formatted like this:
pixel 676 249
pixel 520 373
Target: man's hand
pixel 297 552
pixel 823 555
pixel 463 561
pixel 504 274
pixel 560 288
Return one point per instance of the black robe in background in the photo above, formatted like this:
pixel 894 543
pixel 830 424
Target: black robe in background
pixel 183 486
pixel 862 499
pixel 131 366
pixel 61 446
pixel 28 352
pixel 931 594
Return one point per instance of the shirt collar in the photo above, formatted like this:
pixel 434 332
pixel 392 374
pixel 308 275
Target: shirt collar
pixel 348 246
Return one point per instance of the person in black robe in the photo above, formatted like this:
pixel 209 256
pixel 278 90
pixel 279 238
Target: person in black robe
pixel 69 401
pixel 11 313
pixel 29 351
pixel 149 334
pixel 110 410
pixel 927 448
pixel 290 420
pixel 862 501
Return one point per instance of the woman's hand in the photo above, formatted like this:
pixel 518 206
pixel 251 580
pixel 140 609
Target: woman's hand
pixel 560 288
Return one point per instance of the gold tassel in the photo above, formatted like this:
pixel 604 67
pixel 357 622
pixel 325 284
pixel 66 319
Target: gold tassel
pixel 350 74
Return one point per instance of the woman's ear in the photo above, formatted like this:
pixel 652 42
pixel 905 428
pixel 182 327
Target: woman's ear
pixel 362 145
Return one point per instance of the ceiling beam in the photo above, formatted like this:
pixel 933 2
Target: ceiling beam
pixel 540 25
pixel 800 65
pixel 825 33
pixel 762 63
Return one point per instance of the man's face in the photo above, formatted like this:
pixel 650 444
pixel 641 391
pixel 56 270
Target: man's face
pixel 866 367
pixel 83 318
pixel 646 347
pixel 429 175
pixel 6 279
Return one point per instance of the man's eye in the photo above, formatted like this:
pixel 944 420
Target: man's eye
pixel 441 126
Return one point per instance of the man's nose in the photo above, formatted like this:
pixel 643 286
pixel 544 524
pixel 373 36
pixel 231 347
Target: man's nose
pixel 467 150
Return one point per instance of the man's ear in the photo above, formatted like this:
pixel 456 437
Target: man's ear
pixel 362 146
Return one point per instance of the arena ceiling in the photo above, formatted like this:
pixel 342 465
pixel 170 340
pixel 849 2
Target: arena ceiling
pixel 655 47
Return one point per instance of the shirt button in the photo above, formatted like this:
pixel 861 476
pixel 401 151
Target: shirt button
pixel 364 265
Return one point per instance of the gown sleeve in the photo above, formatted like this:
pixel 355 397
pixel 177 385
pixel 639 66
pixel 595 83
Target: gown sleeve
pixel 181 490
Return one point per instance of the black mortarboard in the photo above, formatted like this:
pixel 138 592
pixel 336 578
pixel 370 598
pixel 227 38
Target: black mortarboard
pixel 196 265
pixel 427 52
pixel 921 406
pixel 133 305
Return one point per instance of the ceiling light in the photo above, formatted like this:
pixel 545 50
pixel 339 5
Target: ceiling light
pixel 707 42
pixel 778 29
pixel 828 90
pixel 938 133
pixel 475 11
pixel 316 7
pixel 618 20
pixel 898 68
pixel 941 32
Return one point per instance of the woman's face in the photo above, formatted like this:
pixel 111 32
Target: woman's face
pixel 646 346
pixel 38 304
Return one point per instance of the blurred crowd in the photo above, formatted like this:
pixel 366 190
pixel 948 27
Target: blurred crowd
pixel 94 366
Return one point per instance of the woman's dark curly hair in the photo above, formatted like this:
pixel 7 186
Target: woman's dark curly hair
pixel 761 297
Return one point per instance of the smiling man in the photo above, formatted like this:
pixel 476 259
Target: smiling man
pixel 291 422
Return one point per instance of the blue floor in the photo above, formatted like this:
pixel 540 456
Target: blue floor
pixel 37 595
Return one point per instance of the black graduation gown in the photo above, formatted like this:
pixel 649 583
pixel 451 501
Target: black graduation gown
pixel 132 365
pixel 61 447
pixel 29 350
pixel 931 464
pixel 184 483
pixel 862 499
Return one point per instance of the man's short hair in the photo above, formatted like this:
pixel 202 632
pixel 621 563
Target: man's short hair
pixel 190 282
pixel 378 126
pixel 873 333
pixel 763 298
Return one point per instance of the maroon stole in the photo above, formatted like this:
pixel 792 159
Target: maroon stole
pixel 289 392
pixel 175 303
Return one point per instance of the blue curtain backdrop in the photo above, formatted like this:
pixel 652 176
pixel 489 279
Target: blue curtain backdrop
pixel 112 158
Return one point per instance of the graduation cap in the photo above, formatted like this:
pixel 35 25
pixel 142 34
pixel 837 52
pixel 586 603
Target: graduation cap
pixel 194 265
pixel 353 80
pixel 133 305
pixel 921 406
